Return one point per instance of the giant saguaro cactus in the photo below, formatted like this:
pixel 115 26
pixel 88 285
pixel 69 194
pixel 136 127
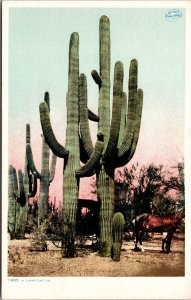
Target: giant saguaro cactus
pixel 19 194
pixel 71 151
pixel 120 133
pixel 46 176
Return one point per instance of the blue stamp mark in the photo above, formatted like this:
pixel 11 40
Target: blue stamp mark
pixel 172 15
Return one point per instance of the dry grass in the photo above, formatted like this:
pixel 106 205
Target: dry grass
pixel 152 262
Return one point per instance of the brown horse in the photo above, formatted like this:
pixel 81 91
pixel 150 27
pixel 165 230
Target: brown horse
pixel 152 223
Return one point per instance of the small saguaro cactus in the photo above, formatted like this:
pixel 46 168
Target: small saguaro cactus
pixel 11 205
pixel 117 226
pixel 46 176
pixel 120 134
pixel 72 152
pixel 18 202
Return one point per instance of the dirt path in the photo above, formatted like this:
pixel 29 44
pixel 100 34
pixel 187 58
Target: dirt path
pixel 152 262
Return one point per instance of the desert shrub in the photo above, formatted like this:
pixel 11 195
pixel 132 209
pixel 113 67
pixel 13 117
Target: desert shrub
pixel 15 255
pixel 39 238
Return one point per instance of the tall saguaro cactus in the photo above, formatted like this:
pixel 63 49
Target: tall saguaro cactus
pixel 120 133
pixel 71 151
pixel 46 176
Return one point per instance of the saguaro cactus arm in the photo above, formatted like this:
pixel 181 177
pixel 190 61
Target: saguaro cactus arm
pixel 92 117
pixel 83 153
pixel 137 122
pixel 18 187
pixel 123 118
pixel 52 167
pixel 116 111
pixel 30 161
pixel 135 101
pixel 125 154
pixel 50 138
pixel 32 185
pixel 83 111
pixel 89 168
pixel 96 78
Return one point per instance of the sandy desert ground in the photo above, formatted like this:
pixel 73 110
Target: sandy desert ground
pixel 23 262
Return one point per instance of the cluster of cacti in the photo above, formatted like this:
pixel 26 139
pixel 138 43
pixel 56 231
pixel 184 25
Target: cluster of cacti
pixel 45 176
pixel 109 153
pixel 116 144
pixel 18 194
pixel 117 227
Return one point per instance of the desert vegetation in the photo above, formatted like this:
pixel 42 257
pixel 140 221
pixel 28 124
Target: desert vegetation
pixel 122 192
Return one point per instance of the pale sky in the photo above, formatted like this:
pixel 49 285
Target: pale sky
pixel 38 62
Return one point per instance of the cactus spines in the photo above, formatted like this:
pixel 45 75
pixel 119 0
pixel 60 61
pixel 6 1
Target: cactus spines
pixel 117 226
pixel 46 176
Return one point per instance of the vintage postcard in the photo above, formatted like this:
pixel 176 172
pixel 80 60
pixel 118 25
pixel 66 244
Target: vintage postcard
pixel 96 165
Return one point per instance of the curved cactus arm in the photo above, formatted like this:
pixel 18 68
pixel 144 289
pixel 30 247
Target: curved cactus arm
pixel 50 139
pixel 123 118
pixel 131 113
pixel 96 78
pixel 30 161
pixel 33 185
pixel 92 117
pixel 126 157
pixel 116 110
pixel 52 167
pixel 137 123
pixel 15 183
pixel 83 110
pixel 83 154
pixel 89 168
pixel 22 196
pixel 18 189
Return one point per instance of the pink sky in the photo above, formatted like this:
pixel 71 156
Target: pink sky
pixel 38 62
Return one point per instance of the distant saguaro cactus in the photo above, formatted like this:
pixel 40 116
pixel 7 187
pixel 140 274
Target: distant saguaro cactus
pixel 46 176
pixel 71 151
pixel 117 226
pixel 18 202
pixel 120 134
